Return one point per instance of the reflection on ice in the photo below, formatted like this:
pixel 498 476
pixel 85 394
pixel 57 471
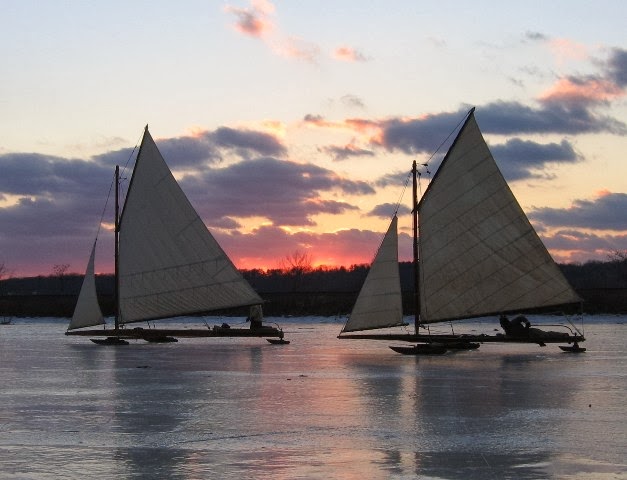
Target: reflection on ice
pixel 317 408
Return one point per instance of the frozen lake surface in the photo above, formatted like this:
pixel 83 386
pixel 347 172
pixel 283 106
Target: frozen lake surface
pixel 318 408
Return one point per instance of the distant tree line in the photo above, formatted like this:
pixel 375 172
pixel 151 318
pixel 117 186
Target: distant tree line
pixel 297 288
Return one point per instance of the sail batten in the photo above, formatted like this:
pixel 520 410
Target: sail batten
pixel 170 264
pixel 479 253
pixel 379 303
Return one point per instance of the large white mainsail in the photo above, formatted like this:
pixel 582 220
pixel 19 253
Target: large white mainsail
pixel 169 263
pixel 379 303
pixel 87 311
pixel 479 254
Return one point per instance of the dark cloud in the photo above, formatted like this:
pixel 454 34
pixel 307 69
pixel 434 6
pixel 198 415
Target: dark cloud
pixel 394 178
pixel 576 240
pixel 499 118
pixel 284 192
pixel 604 213
pixel 206 148
pixel 38 233
pixel 536 36
pixel 352 101
pixel 183 152
pixel 513 118
pixel 34 174
pixel 60 201
pixel 345 152
pixel 58 210
pixel 313 118
pixel 419 135
pixel 386 210
pixel 617 67
pixel 247 143
pixel 519 158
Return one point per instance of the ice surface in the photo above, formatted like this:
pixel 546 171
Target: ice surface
pixel 318 408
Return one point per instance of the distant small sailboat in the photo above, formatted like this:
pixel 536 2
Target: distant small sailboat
pixel 167 264
pixel 479 256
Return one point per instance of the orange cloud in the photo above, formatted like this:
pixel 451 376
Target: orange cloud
pixel 363 126
pixel 348 54
pixel 370 131
pixel 358 125
pixel 590 89
pixel 274 127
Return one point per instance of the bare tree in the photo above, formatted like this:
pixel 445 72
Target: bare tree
pixel 296 266
pixel 297 263
pixel 617 256
pixel 60 271
pixel 4 271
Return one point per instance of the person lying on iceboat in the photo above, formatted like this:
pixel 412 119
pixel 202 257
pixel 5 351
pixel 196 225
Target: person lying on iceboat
pixel 520 326
pixel 517 326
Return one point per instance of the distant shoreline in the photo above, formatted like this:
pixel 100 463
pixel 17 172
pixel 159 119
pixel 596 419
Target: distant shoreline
pixel 596 301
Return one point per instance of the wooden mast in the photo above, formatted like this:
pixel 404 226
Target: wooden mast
pixel 415 248
pixel 116 257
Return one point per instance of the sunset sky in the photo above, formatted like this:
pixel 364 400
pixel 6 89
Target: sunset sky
pixel 292 125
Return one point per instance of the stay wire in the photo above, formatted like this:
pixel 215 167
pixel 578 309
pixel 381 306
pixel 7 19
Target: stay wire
pixel 104 209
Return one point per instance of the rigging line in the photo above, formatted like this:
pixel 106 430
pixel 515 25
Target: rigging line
pixel 400 199
pixel 128 160
pixel 398 204
pixel 104 208
pixel 450 134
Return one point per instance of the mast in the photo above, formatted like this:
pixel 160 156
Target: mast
pixel 116 293
pixel 415 248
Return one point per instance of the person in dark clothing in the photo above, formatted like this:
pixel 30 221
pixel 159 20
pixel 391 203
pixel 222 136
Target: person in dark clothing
pixel 517 326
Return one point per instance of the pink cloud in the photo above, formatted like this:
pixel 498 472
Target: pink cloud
pixel 267 246
pixel 253 21
pixel 592 90
pixel 564 49
pixel 349 54
pixel 370 129
pixel 297 48
pixel 574 246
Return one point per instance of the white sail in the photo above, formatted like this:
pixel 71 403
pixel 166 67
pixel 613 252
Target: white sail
pixel 169 263
pixel 379 303
pixel 479 254
pixel 87 312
